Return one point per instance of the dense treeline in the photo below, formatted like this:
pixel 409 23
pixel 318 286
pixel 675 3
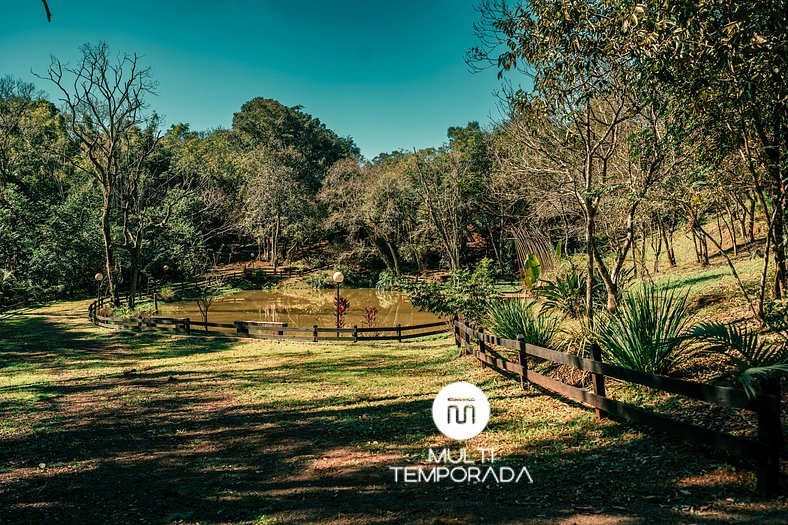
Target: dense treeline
pixel 641 120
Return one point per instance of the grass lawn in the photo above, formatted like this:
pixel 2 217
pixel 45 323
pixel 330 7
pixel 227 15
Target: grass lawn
pixel 103 427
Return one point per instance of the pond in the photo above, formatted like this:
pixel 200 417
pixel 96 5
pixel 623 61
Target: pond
pixel 305 307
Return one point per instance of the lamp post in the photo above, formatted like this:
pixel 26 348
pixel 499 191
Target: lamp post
pixel 338 278
pixel 156 289
pixel 98 277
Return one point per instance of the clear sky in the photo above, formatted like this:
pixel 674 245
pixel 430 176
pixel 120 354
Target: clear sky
pixel 389 74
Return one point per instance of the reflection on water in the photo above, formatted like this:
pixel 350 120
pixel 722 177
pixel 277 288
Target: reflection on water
pixel 305 307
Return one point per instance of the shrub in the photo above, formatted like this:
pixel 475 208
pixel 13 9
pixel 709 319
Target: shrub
pixel 516 317
pixel 166 293
pixel 371 316
pixel 342 306
pixel 754 360
pixel 777 313
pixel 466 294
pixel 647 331
pixel 317 280
pixel 566 295
pixel 386 281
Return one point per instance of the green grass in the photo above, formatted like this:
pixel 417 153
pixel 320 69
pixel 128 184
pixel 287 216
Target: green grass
pixel 275 432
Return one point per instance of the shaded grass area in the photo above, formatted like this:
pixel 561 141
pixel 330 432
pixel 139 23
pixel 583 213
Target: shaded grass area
pixel 103 427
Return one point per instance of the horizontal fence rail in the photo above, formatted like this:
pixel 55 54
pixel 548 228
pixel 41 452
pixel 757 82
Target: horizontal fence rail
pixel 242 329
pixel 765 450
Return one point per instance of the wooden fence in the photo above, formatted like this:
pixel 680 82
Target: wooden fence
pixel 255 329
pixel 765 451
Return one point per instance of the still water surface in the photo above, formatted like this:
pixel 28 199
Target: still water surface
pixel 305 307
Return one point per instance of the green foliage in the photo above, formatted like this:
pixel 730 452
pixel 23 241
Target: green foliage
pixel 142 309
pixel 318 280
pixel 465 294
pixel 271 125
pixel 753 358
pixel 646 332
pixel 532 269
pixel 777 313
pixel 510 318
pixel 386 281
pixel 166 293
pixel 485 271
pixel 566 295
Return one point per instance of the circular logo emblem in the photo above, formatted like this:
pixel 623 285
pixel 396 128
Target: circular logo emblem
pixel 460 410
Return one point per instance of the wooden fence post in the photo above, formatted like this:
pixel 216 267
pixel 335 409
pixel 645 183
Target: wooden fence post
pixel 523 359
pixel 467 349
pixel 355 333
pixel 456 331
pixel 187 325
pixel 241 328
pixel 482 345
pixel 139 322
pixel 770 436
pixel 314 333
pixel 399 333
pixel 598 380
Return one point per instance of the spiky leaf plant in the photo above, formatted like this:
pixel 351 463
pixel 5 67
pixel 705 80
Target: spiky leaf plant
pixel 511 318
pixel 647 330
pixel 753 358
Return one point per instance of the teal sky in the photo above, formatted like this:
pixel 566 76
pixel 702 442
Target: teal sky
pixel 389 74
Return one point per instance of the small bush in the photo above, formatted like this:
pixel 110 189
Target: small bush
pixel 647 331
pixel 371 316
pixel 566 295
pixel 317 280
pixel 777 313
pixel 515 317
pixel 166 293
pixel 386 281
pixel 466 294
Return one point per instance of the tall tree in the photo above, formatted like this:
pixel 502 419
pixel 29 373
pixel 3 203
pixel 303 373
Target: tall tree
pixel 725 64
pixel 103 99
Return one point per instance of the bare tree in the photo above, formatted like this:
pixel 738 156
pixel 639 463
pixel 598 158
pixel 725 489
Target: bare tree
pixel 104 103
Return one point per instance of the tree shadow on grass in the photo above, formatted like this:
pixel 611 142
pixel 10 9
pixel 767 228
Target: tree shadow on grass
pixel 145 448
pixel 36 341
pixel 310 464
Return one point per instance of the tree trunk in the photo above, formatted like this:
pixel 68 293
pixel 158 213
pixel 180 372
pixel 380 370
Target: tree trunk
pixel 779 255
pixel 107 235
pixel 730 225
pixel 136 257
pixel 656 243
pixel 589 262
pixel 705 250
pixel 668 244
pixel 275 243
pixel 394 257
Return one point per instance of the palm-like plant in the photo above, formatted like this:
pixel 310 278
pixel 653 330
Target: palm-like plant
pixel 566 295
pixel 511 318
pixel 754 359
pixel 647 331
